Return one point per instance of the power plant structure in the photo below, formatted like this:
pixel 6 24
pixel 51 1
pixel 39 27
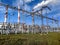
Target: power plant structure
pixel 8 28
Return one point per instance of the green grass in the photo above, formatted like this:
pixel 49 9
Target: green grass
pixel 30 39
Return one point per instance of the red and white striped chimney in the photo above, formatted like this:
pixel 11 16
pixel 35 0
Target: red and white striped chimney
pixel 18 13
pixel 6 15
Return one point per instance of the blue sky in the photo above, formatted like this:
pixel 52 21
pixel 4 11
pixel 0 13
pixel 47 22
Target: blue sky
pixel 55 11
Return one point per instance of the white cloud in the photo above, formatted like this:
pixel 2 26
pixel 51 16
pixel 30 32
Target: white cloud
pixel 27 1
pixel 21 2
pixel 45 3
pixel 39 5
pixel 25 8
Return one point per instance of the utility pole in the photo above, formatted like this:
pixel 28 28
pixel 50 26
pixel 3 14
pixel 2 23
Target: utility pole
pixel 57 25
pixel 23 18
pixel 47 22
pixel 47 25
pixel 32 23
pixel 42 22
pixel 52 23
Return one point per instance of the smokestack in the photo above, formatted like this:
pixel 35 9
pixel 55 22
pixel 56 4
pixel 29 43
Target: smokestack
pixel 18 13
pixel 6 14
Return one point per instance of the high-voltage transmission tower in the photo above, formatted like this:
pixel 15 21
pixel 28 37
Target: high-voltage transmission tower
pixel 39 12
pixel 31 13
pixel 33 22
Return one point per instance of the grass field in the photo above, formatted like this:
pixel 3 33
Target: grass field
pixel 52 38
